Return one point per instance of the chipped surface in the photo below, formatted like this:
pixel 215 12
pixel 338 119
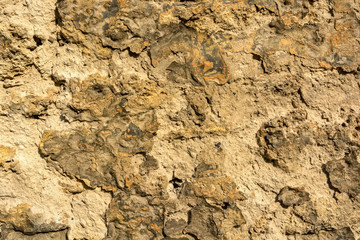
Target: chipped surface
pixel 210 119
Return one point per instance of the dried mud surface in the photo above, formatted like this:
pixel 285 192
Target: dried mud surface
pixel 187 120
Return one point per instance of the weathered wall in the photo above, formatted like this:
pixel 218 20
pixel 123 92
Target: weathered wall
pixel 208 119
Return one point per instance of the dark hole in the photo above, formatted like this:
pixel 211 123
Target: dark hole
pixel 98 88
pixel 225 205
pixel 176 182
pixel 256 57
pixel 208 100
pixel 63 119
pixel 343 125
pixel 357 128
pixel 312 2
pixel 277 89
pixel 37 40
pixel 59 83
pixel 218 144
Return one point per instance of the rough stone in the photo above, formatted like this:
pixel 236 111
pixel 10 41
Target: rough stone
pixel 344 175
pixel 7 160
pixel 209 119
pixel 292 196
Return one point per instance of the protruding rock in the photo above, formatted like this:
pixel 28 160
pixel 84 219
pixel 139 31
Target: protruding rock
pixel 344 174
pixel 289 196
pixel 7 161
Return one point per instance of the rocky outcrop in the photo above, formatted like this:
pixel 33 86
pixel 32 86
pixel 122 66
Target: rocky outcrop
pixel 210 119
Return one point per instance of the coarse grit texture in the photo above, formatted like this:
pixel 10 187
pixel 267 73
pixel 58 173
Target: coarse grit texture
pixel 179 120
